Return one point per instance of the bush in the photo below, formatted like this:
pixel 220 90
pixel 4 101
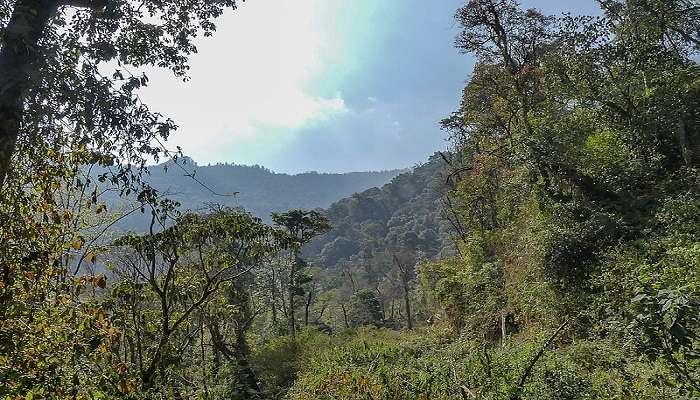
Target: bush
pixel 365 308
pixel 278 361
pixel 429 364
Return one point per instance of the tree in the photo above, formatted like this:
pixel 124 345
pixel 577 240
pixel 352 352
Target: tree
pixel 170 276
pixel 300 226
pixel 576 145
pixel 364 308
pixel 406 273
pixel 68 115
pixel 52 231
pixel 52 57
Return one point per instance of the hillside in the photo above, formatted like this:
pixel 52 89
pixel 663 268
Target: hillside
pixel 406 212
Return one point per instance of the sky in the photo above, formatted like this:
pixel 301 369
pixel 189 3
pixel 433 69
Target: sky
pixel 323 85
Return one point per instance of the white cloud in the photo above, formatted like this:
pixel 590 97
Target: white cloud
pixel 253 75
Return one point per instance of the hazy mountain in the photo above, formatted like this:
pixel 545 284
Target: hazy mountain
pixel 254 188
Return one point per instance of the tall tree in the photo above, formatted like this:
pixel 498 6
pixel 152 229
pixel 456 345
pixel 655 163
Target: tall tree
pixel 300 226
pixel 405 275
pixel 183 267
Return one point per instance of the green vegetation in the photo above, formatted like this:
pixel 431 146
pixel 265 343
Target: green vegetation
pixel 431 363
pixel 407 209
pixel 552 253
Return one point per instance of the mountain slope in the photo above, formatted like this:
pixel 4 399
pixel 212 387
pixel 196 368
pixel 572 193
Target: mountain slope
pixel 405 212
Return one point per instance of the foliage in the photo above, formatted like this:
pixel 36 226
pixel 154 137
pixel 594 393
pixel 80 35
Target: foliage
pixel 279 360
pixel 364 308
pixel 63 114
pixel 168 277
pixel 383 364
pixel 56 335
pixel 377 218
pixel 370 230
pixel 575 173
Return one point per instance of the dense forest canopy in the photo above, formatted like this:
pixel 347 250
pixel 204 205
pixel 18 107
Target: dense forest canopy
pixel 553 252
pixel 403 210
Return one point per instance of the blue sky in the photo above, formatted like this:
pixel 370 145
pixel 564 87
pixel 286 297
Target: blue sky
pixel 325 85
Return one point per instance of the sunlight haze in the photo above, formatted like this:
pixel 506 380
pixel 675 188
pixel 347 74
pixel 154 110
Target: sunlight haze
pixel 332 86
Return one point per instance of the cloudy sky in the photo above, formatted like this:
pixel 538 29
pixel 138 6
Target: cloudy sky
pixel 324 85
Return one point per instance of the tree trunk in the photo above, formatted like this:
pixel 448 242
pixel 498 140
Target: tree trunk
pixel 353 285
pixel 320 314
pixel 274 298
pixel 19 56
pixel 239 354
pixel 309 298
pixel 203 360
pixel 247 374
pixel 291 322
pixel 503 330
pixel 132 350
pixel 345 316
pixel 156 364
pixel 407 299
pixel 294 268
pixel 686 151
pixel 381 299
pixel 216 358
pixel 292 325
pixel 403 270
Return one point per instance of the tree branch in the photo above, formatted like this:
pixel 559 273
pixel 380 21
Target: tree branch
pixel 528 371
pixel 96 5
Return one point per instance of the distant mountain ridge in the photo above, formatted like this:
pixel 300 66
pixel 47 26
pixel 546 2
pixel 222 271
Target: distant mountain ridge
pixel 257 189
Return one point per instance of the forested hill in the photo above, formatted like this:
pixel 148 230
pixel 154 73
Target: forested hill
pixel 404 213
pixel 254 188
